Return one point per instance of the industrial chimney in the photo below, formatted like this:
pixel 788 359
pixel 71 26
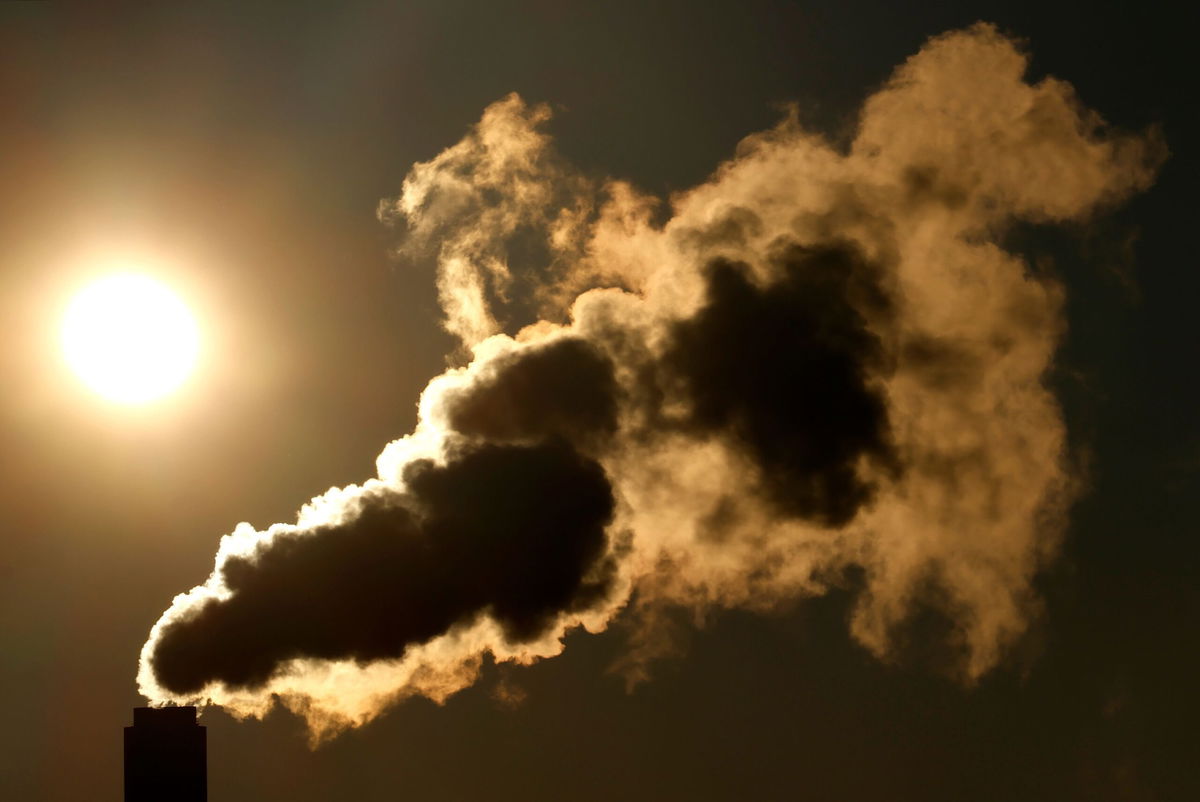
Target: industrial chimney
pixel 166 756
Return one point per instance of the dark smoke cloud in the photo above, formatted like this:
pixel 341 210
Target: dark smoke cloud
pixel 516 533
pixel 818 364
pixel 787 372
pixel 564 389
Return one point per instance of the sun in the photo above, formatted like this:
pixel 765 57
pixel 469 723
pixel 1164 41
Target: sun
pixel 130 338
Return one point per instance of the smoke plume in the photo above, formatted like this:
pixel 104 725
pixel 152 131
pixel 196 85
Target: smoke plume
pixel 819 364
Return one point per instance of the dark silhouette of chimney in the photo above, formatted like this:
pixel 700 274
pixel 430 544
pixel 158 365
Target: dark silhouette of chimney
pixel 166 756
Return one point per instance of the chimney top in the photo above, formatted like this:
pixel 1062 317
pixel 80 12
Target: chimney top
pixel 164 718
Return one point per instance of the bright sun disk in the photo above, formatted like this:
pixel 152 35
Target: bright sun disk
pixel 129 338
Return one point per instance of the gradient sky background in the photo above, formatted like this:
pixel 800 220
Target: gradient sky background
pixel 244 149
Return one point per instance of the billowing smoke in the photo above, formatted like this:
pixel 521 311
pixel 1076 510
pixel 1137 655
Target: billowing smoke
pixel 819 368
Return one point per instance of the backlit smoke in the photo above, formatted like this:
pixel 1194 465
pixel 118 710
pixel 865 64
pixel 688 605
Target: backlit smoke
pixel 822 365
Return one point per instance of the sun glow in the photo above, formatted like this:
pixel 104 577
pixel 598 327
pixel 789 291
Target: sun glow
pixel 129 338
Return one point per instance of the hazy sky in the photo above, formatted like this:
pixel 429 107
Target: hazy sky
pixel 244 153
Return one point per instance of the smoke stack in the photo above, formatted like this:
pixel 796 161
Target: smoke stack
pixel 165 756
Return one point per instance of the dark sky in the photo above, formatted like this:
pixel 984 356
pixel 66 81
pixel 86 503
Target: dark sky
pixel 246 149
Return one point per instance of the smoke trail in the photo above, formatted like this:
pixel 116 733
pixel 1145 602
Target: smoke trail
pixel 823 362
